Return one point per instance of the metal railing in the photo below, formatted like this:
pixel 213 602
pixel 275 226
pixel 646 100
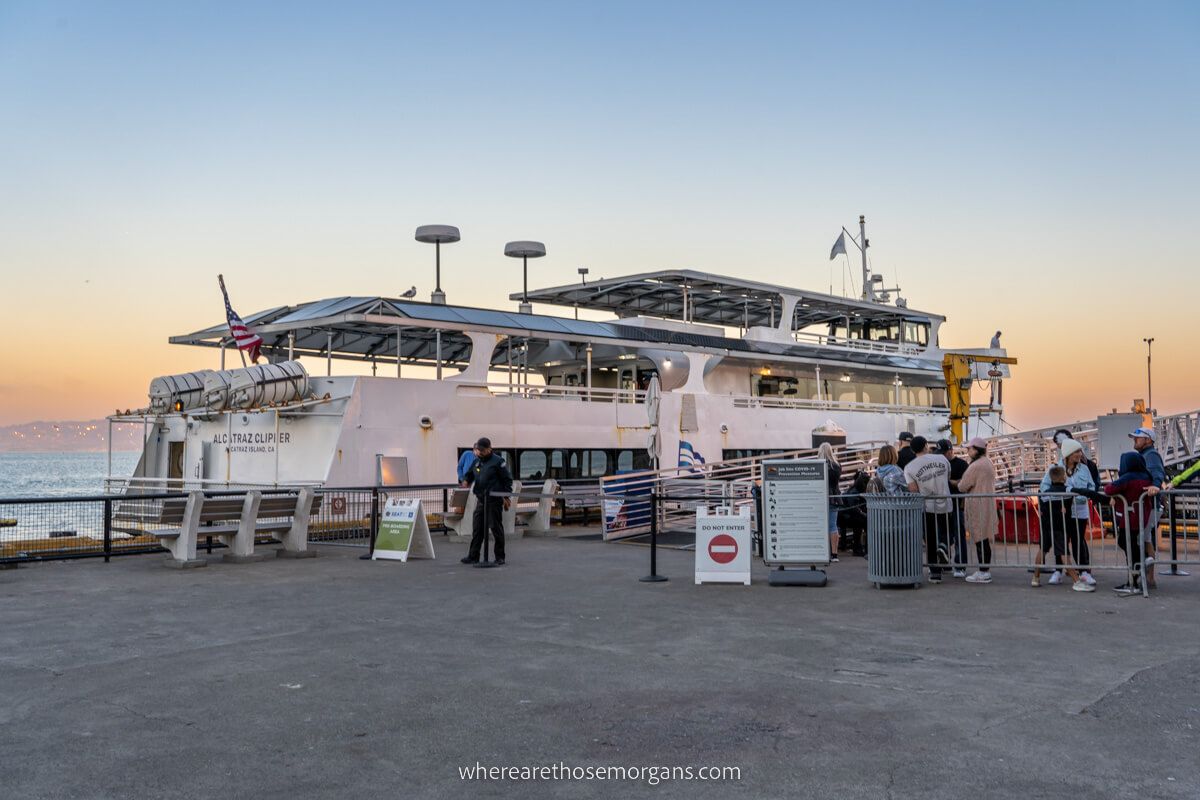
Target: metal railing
pixel 135 485
pixel 626 505
pixel 570 393
pixel 862 345
pixel 106 525
pixel 772 401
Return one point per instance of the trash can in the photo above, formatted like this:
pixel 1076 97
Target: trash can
pixel 895 539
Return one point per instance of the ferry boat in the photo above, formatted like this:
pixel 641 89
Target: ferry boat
pixel 689 367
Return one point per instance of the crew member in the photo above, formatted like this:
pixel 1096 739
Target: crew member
pixel 489 474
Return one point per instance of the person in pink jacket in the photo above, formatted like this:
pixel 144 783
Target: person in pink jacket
pixel 980 512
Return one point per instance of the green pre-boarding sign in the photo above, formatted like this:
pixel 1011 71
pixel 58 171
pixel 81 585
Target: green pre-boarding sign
pixel 403 531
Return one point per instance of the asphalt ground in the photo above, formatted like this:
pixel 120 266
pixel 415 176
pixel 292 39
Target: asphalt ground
pixel 339 678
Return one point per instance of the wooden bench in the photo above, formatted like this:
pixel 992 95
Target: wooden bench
pixel 236 521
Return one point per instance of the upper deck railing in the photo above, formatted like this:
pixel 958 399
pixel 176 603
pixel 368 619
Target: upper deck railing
pixel 860 345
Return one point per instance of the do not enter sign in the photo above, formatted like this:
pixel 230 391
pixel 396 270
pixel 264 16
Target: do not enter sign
pixel 723 548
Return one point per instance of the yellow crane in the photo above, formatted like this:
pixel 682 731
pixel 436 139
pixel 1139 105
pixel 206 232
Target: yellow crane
pixel 960 374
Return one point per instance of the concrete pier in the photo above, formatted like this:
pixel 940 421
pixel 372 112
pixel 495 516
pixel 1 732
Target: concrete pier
pixel 335 677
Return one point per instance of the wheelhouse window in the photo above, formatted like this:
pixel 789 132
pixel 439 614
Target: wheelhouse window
pixel 916 333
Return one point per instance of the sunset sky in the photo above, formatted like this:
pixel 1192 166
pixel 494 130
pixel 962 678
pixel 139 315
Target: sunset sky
pixel 1031 167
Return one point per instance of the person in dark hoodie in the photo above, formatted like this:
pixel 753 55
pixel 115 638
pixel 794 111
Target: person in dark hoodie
pixel 852 515
pixel 904 451
pixel 1143 443
pixel 1132 512
pixel 488 474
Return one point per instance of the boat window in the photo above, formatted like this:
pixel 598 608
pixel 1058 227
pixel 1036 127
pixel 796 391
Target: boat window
pixel 885 332
pixel 641 460
pixel 916 332
pixel 625 461
pixel 554 380
pixel 598 464
pixel 533 465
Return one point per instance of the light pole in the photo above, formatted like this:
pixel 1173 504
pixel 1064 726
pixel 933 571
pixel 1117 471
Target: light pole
pixel 583 273
pixel 435 235
pixel 525 251
pixel 1149 386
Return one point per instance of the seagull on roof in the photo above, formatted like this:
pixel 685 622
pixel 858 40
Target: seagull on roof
pixel 410 293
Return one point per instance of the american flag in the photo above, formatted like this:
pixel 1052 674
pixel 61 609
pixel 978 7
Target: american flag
pixel 245 338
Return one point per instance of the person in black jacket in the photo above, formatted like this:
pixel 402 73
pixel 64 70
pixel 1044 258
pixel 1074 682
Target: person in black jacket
pixel 489 474
pixel 958 532
pixel 904 451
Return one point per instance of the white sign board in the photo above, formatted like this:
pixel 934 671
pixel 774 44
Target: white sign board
pixel 723 547
pixel 795 512
pixel 403 531
pixel 1113 435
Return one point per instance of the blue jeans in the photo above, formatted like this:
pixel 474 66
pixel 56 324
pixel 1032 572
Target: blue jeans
pixel 833 528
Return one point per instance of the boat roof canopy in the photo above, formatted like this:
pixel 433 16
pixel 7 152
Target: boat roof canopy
pixel 714 300
pixel 366 329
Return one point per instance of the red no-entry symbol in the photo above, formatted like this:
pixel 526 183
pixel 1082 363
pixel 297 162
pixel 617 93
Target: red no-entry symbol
pixel 722 548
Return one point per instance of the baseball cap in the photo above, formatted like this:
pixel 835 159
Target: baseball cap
pixel 905 436
pixel 944 446
pixel 1147 432
pixel 979 443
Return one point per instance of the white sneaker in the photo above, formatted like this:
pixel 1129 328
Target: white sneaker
pixel 1149 561
pixel 1082 586
pixel 979 577
pixel 1088 579
pixel 1056 578
pixel 960 573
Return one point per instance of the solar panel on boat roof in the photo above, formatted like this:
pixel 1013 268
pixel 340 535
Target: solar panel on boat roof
pixel 425 311
pixel 323 308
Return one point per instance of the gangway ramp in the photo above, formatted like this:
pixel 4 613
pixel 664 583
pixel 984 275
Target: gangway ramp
pixel 1021 458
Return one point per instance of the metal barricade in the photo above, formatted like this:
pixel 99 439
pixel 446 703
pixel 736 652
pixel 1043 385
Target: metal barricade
pixel 895 538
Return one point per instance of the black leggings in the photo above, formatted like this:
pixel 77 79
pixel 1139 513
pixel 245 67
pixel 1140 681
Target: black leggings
pixel 1077 539
pixel 984 552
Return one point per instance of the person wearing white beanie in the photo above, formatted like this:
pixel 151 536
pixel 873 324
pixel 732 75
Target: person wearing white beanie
pixel 1079 481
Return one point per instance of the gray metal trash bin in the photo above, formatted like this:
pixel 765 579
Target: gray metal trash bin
pixel 895 539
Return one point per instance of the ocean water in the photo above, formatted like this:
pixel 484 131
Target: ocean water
pixel 57 474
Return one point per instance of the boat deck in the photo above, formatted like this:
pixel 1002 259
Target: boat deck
pixel 335 677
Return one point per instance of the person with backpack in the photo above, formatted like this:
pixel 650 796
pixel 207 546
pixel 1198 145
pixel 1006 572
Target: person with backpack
pixel 1143 443
pixel 1132 512
pixel 889 475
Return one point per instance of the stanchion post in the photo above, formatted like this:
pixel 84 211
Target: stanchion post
pixel 653 577
pixel 107 530
pixel 484 562
pixel 1174 524
pixel 374 524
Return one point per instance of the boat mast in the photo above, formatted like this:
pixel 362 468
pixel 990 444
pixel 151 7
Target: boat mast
pixel 868 291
